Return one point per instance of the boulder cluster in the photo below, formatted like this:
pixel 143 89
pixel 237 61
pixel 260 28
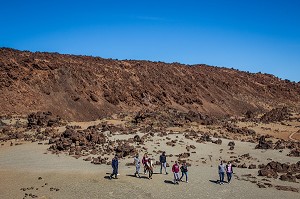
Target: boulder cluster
pixel 278 145
pixel 276 115
pixel 91 141
pixel 285 172
pixel 43 119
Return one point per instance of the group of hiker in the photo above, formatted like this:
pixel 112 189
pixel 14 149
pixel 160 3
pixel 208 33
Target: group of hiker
pixel 148 165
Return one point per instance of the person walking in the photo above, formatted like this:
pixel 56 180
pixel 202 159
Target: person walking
pixel 136 162
pixel 114 165
pixel 229 171
pixel 144 162
pixel 184 171
pixel 163 162
pixel 221 169
pixel 150 167
pixel 175 170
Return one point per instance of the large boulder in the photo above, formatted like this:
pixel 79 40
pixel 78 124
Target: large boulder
pixel 288 177
pixel 263 144
pixel 269 173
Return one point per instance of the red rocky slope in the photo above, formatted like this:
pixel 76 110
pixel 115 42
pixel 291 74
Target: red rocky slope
pixel 85 88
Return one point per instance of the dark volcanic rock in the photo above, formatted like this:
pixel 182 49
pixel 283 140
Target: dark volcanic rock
pixel 218 141
pixel 268 173
pixel 237 130
pixel 137 138
pixel 295 153
pixel 252 166
pixel 276 115
pixel 124 150
pixel 263 144
pixel 286 188
pixel 231 143
pixel 288 177
pixel 42 119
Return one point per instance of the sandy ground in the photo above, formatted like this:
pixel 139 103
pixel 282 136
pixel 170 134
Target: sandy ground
pixel 22 165
pixel 275 129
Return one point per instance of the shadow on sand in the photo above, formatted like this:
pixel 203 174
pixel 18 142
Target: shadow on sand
pixel 169 182
pixel 214 181
pixel 142 177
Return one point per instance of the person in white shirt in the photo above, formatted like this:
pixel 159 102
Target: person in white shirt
pixel 136 162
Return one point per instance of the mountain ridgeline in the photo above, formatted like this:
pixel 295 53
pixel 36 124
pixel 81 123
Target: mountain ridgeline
pixel 86 88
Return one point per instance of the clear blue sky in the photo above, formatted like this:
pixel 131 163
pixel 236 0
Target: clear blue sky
pixel 256 35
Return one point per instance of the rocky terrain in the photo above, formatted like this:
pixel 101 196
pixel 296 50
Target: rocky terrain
pixel 47 150
pixel 64 117
pixel 87 88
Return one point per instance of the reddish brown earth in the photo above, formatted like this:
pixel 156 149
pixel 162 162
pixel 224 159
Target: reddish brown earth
pixel 86 88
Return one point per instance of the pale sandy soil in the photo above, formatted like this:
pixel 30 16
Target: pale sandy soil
pixel 20 167
pixel 275 129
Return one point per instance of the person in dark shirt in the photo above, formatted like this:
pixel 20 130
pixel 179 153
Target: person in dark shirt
pixel 115 166
pixel 184 171
pixel 163 162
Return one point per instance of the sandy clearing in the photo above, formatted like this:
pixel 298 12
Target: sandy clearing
pixel 20 166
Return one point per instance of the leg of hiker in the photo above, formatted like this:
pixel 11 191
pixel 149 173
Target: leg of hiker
pixel 165 167
pixel 229 175
pixel 186 176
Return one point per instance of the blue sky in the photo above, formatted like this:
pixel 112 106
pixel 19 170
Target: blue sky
pixel 256 36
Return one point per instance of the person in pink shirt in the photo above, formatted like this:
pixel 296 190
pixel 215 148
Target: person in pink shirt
pixel 144 162
pixel 175 170
pixel 229 171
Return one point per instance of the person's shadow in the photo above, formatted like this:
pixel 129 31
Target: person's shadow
pixel 142 177
pixel 169 182
pixel 214 181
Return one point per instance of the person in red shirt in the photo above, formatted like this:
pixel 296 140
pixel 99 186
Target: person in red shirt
pixel 175 170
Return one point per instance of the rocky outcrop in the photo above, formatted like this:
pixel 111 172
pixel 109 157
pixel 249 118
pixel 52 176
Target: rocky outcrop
pixel 43 119
pixel 272 169
pixel 276 115
pixel 263 144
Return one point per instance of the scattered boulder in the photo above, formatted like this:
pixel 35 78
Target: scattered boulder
pixel 42 119
pixel 218 141
pixel 236 130
pixel 123 150
pixel 243 166
pixel 276 115
pixel 295 152
pixel 204 138
pixel 183 155
pixel 286 188
pixel 231 143
pixel 288 177
pixel 268 173
pixel 263 144
pixel 252 166
pixel 137 138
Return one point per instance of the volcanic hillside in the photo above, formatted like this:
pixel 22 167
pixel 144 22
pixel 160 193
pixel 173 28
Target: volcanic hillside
pixel 86 88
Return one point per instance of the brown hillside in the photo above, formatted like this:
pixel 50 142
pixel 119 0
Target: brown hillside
pixel 86 88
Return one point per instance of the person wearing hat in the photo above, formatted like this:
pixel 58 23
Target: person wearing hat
pixel 114 165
